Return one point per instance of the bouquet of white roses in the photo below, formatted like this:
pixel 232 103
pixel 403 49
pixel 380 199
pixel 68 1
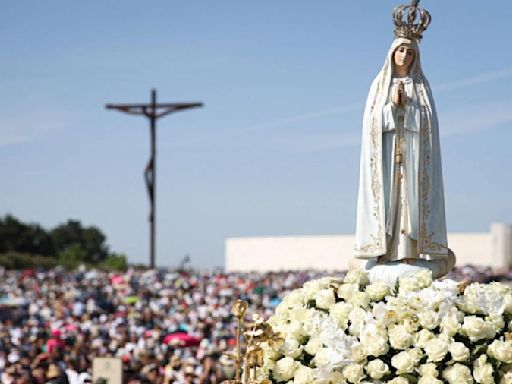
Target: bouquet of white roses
pixel 420 332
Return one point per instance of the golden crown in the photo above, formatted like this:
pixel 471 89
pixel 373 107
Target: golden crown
pixel 416 20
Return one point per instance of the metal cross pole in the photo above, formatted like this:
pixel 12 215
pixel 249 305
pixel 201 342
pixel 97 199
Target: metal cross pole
pixel 153 112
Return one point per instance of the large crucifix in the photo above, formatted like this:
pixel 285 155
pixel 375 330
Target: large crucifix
pixel 153 112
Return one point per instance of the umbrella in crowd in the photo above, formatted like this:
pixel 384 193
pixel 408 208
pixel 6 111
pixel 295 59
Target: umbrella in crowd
pixel 182 339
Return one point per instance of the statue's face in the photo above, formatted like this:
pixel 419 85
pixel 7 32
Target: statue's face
pixel 404 56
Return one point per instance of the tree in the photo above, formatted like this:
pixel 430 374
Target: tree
pixel 72 256
pixel 41 242
pixel 25 238
pixel 115 262
pixel 94 244
pixel 70 242
pixel 90 239
pixel 11 231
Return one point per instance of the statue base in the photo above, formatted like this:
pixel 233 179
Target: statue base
pixel 391 271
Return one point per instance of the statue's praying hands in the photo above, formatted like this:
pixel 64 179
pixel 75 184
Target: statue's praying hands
pixel 399 98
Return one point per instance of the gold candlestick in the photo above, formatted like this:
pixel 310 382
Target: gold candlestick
pixel 249 358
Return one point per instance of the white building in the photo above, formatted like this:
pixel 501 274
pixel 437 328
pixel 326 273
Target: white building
pixel 493 248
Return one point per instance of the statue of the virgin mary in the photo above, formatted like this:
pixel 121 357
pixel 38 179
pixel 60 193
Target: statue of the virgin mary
pixel 400 212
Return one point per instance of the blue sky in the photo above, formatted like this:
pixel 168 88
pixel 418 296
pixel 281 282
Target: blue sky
pixel 275 151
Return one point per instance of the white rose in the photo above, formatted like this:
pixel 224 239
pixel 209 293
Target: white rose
pixel 356 276
pixel 400 309
pixel 322 357
pixel 408 284
pixel 458 374
pixel 295 330
pixel 424 278
pixel 483 371
pixel 429 380
pixel 428 319
pixel 294 299
pixel 335 377
pixel 284 369
pixel 501 350
pixel 459 351
pixel 340 311
pixel 416 354
pixel 317 284
pixel 360 299
pixel 312 346
pixel 403 362
pixel 422 337
pixel 410 324
pixel 428 370
pixel 325 298
pixel 383 312
pixel 298 313
pixel 346 291
pixel 496 292
pixel 507 377
pixel 436 350
pixel 485 298
pixel 470 300
pixel 375 340
pixel 271 352
pixel 277 320
pixel 497 322
pixel 303 375
pixel 308 321
pixel 476 328
pixel 357 352
pixel 311 288
pixel 451 322
pixel 507 303
pixel 416 301
pixel 292 348
pixel 354 373
pixel 357 321
pixel 268 364
pixel 377 369
pixel 378 290
pixel 398 380
pixel 399 337
pixel 281 310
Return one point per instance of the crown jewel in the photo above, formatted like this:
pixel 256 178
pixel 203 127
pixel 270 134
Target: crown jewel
pixel 415 22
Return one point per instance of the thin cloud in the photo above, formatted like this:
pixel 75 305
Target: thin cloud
pixel 259 127
pixel 12 138
pixel 302 117
pixel 482 117
pixel 457 122
pixel 475 80
pixel 347 140
pixel 40 122
pixel 317 142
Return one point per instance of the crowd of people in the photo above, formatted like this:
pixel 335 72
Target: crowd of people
pixel 163 326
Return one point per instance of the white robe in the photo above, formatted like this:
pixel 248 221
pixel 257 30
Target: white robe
pixel 401 125
pixel 404 218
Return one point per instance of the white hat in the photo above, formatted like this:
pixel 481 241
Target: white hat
pixel 84 377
